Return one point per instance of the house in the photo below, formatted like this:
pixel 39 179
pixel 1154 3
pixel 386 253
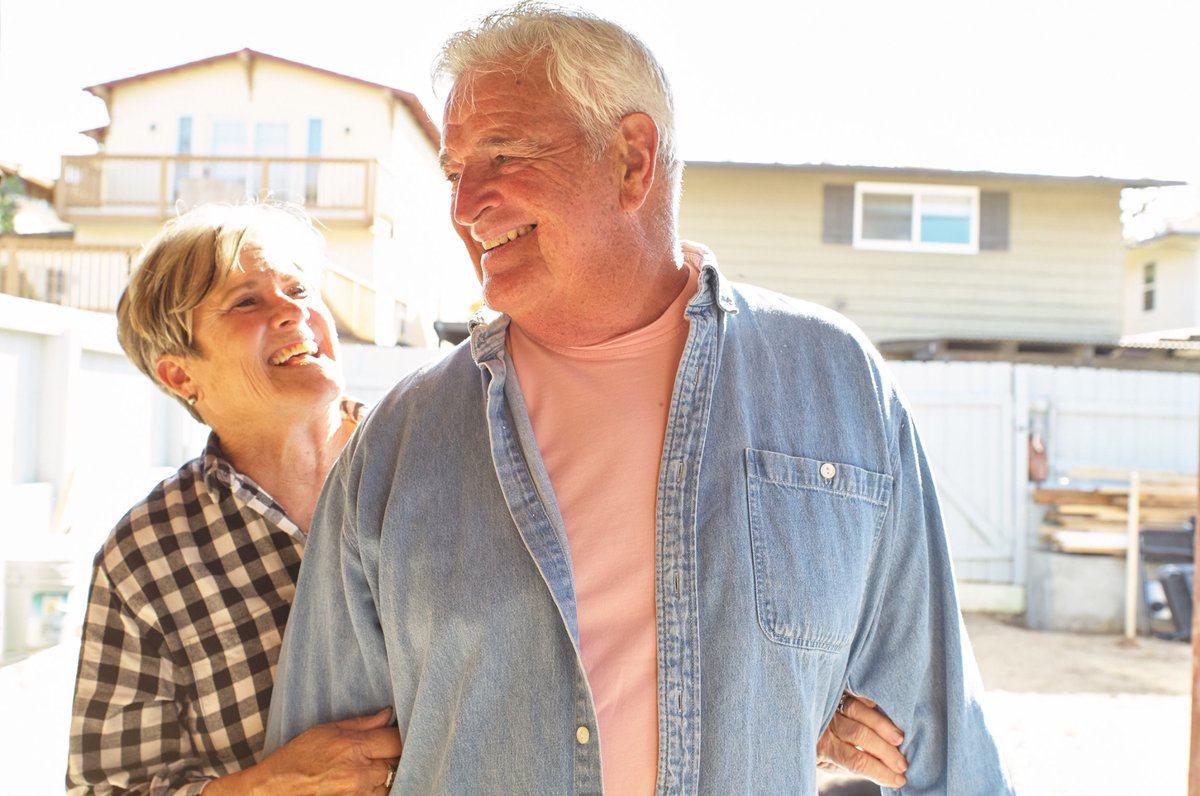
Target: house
pixel 362 157
pixel 26 204
pixel 920 253
pixel 1162 285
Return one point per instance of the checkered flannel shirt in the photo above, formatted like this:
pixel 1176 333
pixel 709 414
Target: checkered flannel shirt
pixel 185 617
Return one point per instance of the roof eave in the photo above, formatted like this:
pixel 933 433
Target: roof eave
pixel 917 171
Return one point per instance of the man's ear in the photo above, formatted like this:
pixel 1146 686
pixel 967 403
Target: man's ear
pixel 638 149
pixel 172 372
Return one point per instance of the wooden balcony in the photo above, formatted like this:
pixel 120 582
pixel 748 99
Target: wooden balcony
pixel 156 187
pixel 64 272
pixel 94 277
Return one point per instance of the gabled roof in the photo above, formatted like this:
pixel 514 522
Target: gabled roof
pixel 911 172
pixel 410 100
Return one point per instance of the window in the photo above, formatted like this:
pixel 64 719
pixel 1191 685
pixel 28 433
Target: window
pixel 312 172
pixel 901 217
pixel 183 168
pixel 1148 284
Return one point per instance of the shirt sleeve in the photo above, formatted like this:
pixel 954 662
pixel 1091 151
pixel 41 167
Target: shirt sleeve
pixel 916 660
pixel 126 731
pixel 334 663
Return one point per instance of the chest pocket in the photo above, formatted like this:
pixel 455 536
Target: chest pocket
pixel 813 526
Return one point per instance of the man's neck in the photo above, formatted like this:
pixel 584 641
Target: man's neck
pixel 608 315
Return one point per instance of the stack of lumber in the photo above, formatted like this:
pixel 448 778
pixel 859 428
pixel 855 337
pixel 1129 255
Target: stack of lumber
pixel 1090 513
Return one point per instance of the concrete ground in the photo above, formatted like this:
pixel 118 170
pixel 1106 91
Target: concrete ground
pixel 1084 714
pixel 1076 715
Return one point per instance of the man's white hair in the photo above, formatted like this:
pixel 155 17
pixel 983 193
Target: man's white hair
pixel 603 71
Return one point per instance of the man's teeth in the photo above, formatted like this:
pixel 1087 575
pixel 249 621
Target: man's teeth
pixel 284 354
pixel 511 235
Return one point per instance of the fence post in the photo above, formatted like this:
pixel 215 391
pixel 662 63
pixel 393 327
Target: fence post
pixel 12 274
pixel 163 186
pixel 1133 555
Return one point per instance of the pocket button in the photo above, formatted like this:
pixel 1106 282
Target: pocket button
pixel 828 471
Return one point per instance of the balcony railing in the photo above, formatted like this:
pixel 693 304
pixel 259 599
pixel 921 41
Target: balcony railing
pixel 64 272
pixel 93 277
pixel 154 187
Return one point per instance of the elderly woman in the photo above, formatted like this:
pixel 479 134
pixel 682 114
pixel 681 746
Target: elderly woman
pixel 192 589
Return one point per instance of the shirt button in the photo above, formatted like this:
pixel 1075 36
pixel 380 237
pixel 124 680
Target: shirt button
pixel 828 471
pixel 583 735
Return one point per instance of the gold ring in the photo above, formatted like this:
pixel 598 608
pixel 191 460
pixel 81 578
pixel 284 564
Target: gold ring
pixel 391 777
pixel 841 708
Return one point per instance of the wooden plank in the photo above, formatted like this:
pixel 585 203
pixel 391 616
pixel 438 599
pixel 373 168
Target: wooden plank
pixel 1068 513
pixel 1149 478
pixel 1076 511
pixel 1110 543
pixel 1064 495
pixel 1088 526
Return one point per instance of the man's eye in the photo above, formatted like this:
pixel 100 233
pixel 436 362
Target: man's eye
pixel 452 177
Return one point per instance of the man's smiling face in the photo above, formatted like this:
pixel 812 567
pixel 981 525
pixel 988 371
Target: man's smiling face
pixel 529 189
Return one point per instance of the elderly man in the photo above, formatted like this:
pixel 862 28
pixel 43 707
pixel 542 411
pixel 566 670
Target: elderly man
pixel 643 533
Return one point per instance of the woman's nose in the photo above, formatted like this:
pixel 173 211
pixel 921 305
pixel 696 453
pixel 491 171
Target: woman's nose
pixel 287 309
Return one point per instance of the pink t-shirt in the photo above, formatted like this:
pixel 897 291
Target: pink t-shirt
pixel 599 413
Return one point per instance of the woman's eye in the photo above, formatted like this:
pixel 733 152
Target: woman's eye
pixel 245 301
pixel 299 291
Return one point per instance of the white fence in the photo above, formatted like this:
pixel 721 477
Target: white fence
pixel 975 419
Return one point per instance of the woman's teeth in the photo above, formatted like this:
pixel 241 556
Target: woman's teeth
pixel 299 349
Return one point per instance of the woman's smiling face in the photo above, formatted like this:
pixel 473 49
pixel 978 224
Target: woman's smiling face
pixel 265 340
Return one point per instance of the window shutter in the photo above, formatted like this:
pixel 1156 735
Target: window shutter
pixel 838 220
pixel 993 220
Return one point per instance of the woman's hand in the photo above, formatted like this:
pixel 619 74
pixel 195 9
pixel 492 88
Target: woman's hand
pixel 861 740
pixel 343 757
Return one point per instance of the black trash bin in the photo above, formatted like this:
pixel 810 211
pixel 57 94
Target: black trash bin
pixel 1179 585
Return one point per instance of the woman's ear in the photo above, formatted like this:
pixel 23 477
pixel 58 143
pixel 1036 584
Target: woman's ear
pixel 172 372
pixel 638 149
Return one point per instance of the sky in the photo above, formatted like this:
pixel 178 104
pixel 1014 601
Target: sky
pixel 1103 87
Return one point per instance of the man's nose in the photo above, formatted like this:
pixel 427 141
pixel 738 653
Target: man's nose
pixel 474 193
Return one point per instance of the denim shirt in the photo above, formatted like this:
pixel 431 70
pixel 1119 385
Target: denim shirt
pixel 800 552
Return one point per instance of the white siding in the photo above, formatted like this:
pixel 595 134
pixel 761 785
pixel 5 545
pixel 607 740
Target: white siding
pixel 1061 277
pixel 1177 289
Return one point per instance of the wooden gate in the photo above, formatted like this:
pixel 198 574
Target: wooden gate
pixel 975 419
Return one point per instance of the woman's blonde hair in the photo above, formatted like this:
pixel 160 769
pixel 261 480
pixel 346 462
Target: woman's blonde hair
pixel 187 259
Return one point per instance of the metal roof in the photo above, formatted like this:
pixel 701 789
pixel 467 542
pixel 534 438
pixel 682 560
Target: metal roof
pixel 916 171
pixel 1163 355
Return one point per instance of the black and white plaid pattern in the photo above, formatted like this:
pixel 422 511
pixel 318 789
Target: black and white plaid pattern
pixel 185 616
